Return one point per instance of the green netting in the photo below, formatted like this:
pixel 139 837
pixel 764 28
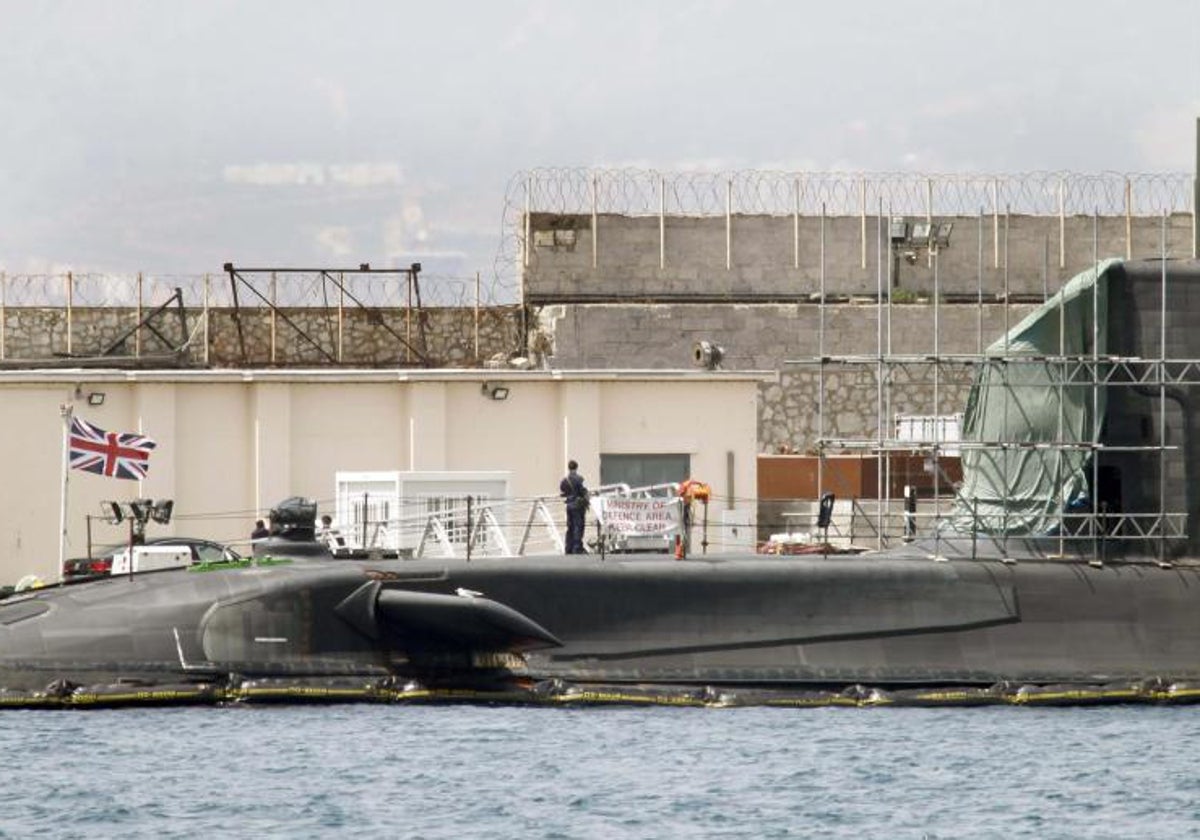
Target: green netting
pixel 1024 405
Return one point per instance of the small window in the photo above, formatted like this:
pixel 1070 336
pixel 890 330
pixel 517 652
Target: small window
pixel 645 469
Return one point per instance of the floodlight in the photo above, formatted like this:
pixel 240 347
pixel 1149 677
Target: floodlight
pixel 494 391
pixel 141 509
pixel 707 354
pixel 941 235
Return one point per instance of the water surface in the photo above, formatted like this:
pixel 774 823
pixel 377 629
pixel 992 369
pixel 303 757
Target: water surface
pixel 440 772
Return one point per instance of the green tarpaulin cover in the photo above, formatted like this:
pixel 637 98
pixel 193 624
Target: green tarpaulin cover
pixel 1024 401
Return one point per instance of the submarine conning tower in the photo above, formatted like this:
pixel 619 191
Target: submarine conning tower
pixel 1082 425
pixel 1150 435
pixel 293 530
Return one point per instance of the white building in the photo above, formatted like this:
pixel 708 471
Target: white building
pixel 232 443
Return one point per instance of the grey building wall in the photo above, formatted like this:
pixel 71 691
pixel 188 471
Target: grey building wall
pixel 761 257
pixel 769 336
pixel 615 290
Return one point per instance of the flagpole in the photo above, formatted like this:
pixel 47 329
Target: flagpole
pixel 67 409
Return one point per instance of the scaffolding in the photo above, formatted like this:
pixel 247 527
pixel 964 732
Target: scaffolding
pixel 1087 526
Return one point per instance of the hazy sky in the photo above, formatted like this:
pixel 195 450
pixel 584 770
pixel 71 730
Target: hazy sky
pixel 170 137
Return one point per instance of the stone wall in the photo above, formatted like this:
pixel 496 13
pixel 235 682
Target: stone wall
pixel 290 337
pixel 769 336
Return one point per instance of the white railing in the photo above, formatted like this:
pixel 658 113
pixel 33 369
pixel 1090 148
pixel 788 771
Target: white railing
pixel 507 527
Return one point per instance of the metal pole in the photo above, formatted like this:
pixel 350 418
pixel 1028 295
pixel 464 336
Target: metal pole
pixel 1045 268
pixel 70 307
pixel 979 276
pixel 1007 386
pixel 595 220
pixel 796 226
pixel 274 317
pixel 341 316
pixel 1128 219
pixel 137 336
pixel 1006 286
pixel 65 411
pixel 862 222
pixel 983 366
pixel 937 406
pixel 821 366
pixel 929 218
pixel 362 540
pixel 879 234
pixel 891 283
pixel 1162 402
pixel 1062 394
pixel 662 222
pixel 887 368
pixel 207 314
pixel 1062 224
pixel 995 223
pixel 477 315
pixel 728 224
pixel 1095 384
pixel 130 547
pixel 730 477
pixel 1196 196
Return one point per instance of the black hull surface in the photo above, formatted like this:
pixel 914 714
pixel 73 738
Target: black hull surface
pixel 720 621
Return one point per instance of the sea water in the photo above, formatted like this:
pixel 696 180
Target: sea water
pixel 501 772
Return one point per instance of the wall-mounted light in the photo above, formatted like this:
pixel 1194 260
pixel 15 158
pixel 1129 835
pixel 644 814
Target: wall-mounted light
pixel 920 234
pixel 494 391
pixel 707 354
pixel 96 398
pixel 941 234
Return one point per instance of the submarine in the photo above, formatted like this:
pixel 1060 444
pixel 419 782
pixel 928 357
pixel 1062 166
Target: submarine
pixel 1065 573
pixel 296 617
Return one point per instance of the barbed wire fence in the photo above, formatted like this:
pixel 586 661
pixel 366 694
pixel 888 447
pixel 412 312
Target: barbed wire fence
pixel 290 289
pixel 646 192
pixel 649 192
pixel 285 318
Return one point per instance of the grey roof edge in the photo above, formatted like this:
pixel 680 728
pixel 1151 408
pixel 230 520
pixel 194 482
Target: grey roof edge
pixel 352 375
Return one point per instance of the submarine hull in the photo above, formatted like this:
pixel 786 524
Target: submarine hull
pixel 777 621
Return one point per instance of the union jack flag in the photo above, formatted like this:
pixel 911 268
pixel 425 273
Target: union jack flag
pixel 115 454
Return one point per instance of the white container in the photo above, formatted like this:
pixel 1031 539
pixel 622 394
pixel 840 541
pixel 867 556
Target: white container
pixel 151 558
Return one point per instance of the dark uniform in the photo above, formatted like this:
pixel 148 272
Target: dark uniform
pixel 575 494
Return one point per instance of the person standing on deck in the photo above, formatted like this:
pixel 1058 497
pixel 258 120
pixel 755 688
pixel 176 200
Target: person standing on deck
pixel 260 532
pixel 575 494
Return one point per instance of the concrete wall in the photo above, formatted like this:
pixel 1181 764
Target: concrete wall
pixel 761 257
pixel 767 336
pixel 233 443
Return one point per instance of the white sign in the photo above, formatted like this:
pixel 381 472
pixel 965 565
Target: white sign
pixel 641 516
